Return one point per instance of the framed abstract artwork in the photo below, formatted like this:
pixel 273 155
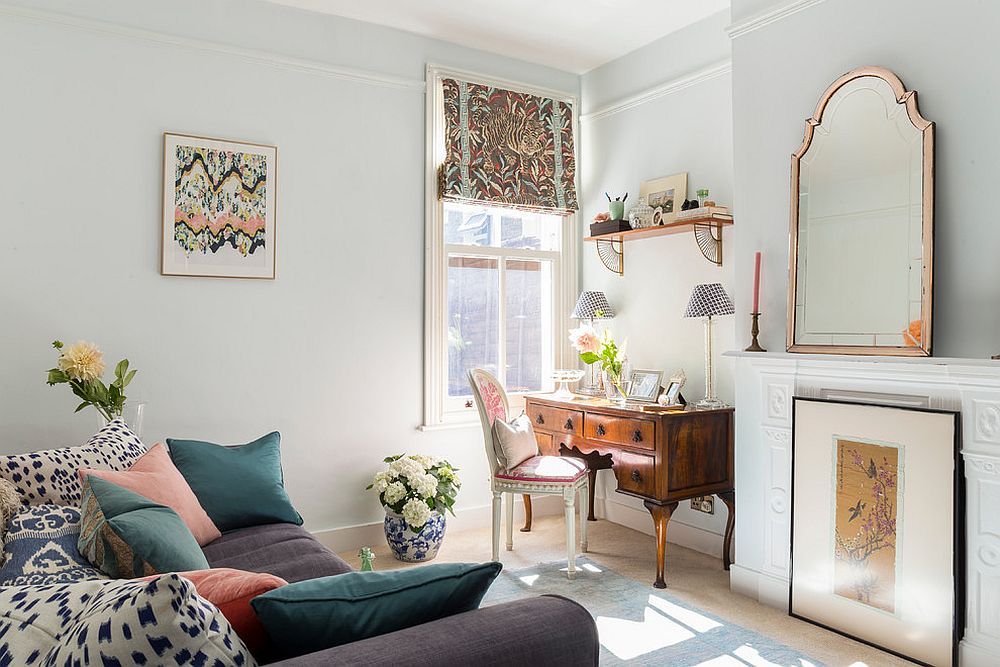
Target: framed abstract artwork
pixel 218 208
pixel 878 518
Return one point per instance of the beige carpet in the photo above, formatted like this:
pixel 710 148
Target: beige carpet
pixel 691 576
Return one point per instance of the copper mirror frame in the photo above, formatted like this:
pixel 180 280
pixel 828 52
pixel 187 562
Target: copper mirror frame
pixel 908 99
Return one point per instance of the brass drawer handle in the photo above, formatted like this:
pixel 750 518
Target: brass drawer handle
pixel 539 419
pixel 637 436
pixel 636 477
pixel 600 429
pixel 568 425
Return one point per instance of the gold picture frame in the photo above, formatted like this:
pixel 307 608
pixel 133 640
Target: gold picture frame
pixel 665 196
pixel 219 208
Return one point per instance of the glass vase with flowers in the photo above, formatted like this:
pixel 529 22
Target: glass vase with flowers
pixel 602 349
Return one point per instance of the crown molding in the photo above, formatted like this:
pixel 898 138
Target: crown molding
pixel 255 56
pixel 720 68
pixel 769 16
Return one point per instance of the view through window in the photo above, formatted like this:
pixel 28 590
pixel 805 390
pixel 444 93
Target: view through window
pixel 502 268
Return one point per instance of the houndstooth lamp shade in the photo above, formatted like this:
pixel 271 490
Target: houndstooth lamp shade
pixel 709 300
pixel 592 306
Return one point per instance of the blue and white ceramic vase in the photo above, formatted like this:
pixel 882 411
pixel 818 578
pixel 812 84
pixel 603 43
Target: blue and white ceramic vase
pixel 410 546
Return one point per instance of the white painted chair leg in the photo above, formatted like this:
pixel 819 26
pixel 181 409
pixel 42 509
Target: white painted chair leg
pixel 569 496
pixel 510 522
pixel 496 525
pixel 584 511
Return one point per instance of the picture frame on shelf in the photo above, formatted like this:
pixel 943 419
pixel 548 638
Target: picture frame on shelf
pixel 219 208
pixel 644 386
pixel 878 525
pixel 665 196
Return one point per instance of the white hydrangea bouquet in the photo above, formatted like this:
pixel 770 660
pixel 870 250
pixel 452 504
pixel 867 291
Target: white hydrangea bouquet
pixel 417 486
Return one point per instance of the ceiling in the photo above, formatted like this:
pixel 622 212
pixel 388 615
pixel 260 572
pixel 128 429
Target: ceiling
pixel 571 35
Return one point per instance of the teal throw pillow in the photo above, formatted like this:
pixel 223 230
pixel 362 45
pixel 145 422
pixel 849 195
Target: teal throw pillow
pixel 126 535
pixel 238 486
pixel 313 615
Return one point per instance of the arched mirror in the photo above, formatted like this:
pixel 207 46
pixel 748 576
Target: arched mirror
pixel 862 224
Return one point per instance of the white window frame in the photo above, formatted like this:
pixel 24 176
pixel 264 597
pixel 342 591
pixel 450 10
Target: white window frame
pixel 564 270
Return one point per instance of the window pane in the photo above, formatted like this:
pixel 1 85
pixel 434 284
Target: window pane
pixel 473 319
pixel 528 330
pixel 476 225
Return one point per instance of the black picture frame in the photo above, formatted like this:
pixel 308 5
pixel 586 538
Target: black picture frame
pixel 958 536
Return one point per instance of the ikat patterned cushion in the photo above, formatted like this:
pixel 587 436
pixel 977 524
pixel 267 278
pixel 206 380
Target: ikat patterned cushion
pixel 50 476
pixel 40 548
pixel 161 622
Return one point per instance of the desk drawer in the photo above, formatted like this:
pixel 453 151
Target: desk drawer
pixel 555 420
pixel 636 473
pixel 620 431
pixel 545 444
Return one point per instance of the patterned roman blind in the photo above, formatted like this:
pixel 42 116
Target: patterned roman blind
pixel 507 148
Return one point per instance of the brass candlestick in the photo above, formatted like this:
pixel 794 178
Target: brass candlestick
pixel 754 330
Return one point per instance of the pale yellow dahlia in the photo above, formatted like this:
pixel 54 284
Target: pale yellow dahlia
pixel 82 361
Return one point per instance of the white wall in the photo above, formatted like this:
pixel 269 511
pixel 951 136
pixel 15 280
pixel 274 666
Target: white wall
pixel 330 353
pixel 946 54
pixel 687 130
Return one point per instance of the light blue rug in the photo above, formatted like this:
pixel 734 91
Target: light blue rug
pixel 641 625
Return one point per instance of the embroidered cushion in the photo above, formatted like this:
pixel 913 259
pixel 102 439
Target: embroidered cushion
pixel 316 614
pixel 547 469
pixel 238 486
pixel 40 548
pixel 50 476
pixel 514 442
pixel 126 535
pixel 161 622
pixel 154 476
pixel 231 591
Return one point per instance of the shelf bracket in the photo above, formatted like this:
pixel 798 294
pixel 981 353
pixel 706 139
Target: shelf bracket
pixel 709 239
pixel 612 255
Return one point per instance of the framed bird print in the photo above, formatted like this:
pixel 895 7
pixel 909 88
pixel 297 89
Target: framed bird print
pixel 218 208
pixel 878 525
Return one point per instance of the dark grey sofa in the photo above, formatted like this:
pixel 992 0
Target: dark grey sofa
pixel 546 630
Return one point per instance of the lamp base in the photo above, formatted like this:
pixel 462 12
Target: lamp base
pixel 710 403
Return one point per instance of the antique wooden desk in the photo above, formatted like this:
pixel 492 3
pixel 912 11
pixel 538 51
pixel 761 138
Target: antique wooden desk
pixel 663 457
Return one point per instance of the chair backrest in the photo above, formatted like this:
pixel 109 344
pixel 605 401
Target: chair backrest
pixel 491 400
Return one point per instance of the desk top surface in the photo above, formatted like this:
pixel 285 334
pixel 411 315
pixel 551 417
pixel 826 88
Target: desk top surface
pixel 580 402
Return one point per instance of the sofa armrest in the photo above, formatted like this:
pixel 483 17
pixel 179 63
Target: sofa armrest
pixel 547 630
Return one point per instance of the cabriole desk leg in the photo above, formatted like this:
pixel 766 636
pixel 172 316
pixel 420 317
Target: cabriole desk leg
pixel 661 516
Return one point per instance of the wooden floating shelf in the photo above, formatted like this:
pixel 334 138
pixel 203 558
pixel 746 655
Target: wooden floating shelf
pixel 707 232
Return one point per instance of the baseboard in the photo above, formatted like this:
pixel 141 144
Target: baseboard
pixel 678 532
pixel 765 588
pixel 352 538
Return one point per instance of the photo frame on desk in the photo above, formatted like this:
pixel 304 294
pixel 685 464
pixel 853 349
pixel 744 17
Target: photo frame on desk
pixel 672 394
pixel 644 386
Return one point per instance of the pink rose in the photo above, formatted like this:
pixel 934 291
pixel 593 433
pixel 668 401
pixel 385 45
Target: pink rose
pixel 585 339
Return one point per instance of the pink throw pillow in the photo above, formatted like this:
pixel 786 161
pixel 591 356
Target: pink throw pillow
pixel 155 476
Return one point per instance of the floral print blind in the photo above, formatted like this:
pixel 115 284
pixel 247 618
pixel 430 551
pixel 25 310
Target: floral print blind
pixel 509 148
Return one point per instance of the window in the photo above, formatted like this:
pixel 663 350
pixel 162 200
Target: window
pixel 500 287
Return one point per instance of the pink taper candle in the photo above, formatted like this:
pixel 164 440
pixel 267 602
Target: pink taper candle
pixel 756 282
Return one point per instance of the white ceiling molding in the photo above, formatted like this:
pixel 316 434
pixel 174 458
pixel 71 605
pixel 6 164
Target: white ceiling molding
pixel 769 16
pixel 250 55
pixel 720 68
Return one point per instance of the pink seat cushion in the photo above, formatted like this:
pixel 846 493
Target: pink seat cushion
pixel 547 469
pixel 155 476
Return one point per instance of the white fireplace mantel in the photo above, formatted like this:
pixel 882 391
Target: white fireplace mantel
pixel 765 384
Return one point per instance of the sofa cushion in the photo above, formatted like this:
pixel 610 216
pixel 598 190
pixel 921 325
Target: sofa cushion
pixel 314 615
pixel 40 548
pixel 50 476
pixel 281 549
pixel 238 486
pixel 154 476
pixel 161 622
pixel 127 535
pixel 231 591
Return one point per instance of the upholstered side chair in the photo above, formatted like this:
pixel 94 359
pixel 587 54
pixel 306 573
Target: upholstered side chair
pixel 539 475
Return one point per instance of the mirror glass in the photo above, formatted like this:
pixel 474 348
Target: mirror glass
pixel 861 224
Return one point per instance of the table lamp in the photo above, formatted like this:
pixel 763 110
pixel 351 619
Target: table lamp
pixel 709 300
pixel 592 305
